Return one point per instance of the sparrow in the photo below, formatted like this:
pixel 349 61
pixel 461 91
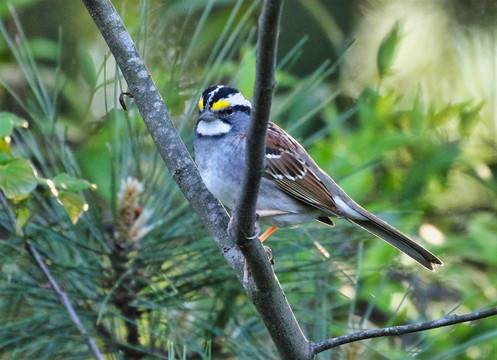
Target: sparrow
pixel 293 189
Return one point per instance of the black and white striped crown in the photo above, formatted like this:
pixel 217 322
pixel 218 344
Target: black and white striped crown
pixel 221 97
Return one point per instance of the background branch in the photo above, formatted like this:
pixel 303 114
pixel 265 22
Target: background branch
pixel 265 292
pixel 402 329
pixel 55 286
pixel 65 302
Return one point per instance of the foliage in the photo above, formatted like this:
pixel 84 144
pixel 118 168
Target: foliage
pixel 386 51
pixel 141 272
pixel 18 179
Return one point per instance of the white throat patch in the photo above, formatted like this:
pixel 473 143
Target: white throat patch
pixel 212 128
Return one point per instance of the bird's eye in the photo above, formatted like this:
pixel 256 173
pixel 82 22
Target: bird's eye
pixel 229 111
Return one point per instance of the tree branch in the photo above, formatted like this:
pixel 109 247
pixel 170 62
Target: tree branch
pixel 65 302
pixel 267 43
pixel 265 292
pixel 55 286
pixel 161 128
pixel 401 330
pixel 277 315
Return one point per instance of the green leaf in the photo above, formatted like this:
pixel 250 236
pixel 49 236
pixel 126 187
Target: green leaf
pixel 68 183
pixel 4 148
pixel 43 48
pixel 444 115
pixel 17 178
pixel 469 118
pixel 88 68
pixel 386 51
pixel 23 215
pixel 6 127
pixel 14 119
pixel 73 203
pixel 4 157
pixel 8 121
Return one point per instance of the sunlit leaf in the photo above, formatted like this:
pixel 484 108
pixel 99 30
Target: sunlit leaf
pixel 448 112
pixel 23 215
pixel 386 51
pixel 4 146
pixel 68 183
pixel 17 178
pixel 74 204
pixel 469 118
pixel 14 119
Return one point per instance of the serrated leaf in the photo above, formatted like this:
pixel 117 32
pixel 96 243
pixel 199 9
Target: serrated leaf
pixel 17 178
pixel 68 183
pixel 73 203
pixel 386 51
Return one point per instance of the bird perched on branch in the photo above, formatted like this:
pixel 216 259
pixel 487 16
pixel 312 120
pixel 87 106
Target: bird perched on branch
pixel 293 189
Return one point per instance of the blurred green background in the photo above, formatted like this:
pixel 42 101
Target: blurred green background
pixel 394 99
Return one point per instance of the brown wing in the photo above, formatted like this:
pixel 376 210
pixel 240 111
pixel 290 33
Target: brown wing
pixel 286 166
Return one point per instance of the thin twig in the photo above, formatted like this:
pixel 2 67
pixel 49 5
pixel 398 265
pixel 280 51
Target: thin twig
pixel 402 329
pixel 286 333
pixel 267 43
pixel 65 302
pixel 60 294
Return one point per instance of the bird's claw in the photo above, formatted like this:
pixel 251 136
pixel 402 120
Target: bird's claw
pixel 257 232
pixel 231 229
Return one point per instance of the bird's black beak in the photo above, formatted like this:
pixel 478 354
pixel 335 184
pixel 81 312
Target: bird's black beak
pixel 207 115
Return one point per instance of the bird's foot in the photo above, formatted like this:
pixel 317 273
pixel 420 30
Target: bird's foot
pixel 257 232
pixel 232 231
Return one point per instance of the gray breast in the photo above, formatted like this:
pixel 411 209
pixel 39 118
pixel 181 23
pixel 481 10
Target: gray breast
pixel 220 161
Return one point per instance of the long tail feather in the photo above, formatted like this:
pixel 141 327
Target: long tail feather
pixel 394 237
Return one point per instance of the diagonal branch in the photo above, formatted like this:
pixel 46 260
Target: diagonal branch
pixel 265 293
pixel 65 302
pixel 159 123
pixel 402 329
pixel 64 299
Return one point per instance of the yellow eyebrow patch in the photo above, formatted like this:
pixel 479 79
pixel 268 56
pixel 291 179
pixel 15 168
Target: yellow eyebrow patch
pixel 220 104
pixel 201 104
